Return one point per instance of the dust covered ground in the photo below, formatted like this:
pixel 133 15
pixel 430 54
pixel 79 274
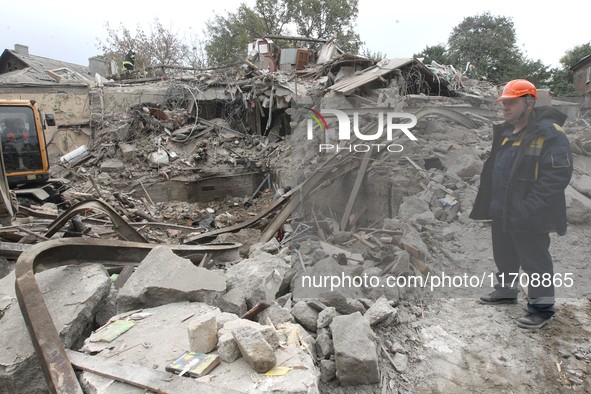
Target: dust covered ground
pixel 457 345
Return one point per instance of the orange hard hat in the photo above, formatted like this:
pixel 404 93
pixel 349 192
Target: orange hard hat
pixel 518 88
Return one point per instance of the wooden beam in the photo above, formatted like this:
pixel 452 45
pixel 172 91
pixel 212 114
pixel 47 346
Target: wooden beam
pixel 355 190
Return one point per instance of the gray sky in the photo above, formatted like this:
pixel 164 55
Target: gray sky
pixel 68 30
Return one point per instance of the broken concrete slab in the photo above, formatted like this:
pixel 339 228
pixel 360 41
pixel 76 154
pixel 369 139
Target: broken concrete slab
pixel 355 350
pixel 413 238
pixel 578 206
pixel 128 151
pixel 412 206
pixel 112 166
pixel 380 311
pixel 160 349
pixel 583 184
pixel 400 362
pixel 228 348
pixel 163 278
pixel 73 294
pixel 249 275
pixel 328 370
pixel 246 237
pixel 305 315
pixel 234 301
pixel 324 347
pixel 253 347
pixel 203 333
pixel 276 314
pixel 270 247
pixel 465 162
pixel 325 317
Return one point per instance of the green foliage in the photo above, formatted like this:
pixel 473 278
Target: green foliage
pixel 324 18
pixel 572 56
pixel 488 43
pixel 228 36
pixel 562 78
pixel 435 53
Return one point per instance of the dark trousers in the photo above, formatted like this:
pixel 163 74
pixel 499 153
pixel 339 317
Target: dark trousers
pixel 528 251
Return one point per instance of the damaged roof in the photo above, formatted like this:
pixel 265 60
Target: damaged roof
pixel 386 67
pixel 17 67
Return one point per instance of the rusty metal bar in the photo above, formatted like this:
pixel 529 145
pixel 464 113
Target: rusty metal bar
pixel 56 367
pixel 121 226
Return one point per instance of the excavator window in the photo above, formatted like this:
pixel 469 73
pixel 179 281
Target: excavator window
pixel 20 142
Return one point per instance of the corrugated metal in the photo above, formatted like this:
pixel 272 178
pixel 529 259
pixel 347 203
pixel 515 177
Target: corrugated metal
pixel 370 74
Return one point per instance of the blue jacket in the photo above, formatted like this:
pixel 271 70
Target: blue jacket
pixel 542 169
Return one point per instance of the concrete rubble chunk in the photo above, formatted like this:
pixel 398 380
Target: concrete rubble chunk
pixel 246 237
pixel 465 162
pixel 253 347
pixel 355 350
pixel 328 370
pixel 234 302
pixel 163 278
pixel 252 275
pixel 411 207
pixel 324 347
pixel 270 247
pixel 413 238
pixel 380 311
pixel 325 317
pixel 583 184
pixel 128 151
pixel 305 315
pixel 203 333
pixel 112 165
pixel 400 362
pixel 73 295
pixel 578 206
pixel 228 348
pixel 224 317
pixel 276 314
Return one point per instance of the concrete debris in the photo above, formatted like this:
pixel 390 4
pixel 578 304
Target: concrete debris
pixel 578 206
pixel 328 370
pixel 305 315
pixel 250 277
pixel 400 362
pixel 203 333
pixel 583 184
pixel 73 295
pixel 245 237
pixel 253 347
pixel 163 278
pixel 324 347
pixel 276 314
pixel 355 350
pixel 228 348
pixel 380 311
pixel 325 317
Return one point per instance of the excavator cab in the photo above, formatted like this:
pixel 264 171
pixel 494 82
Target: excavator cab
pixel 23 147
pixel 23 143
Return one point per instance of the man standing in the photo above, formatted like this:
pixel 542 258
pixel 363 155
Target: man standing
pixel 522 190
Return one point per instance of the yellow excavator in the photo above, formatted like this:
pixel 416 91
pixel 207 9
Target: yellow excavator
pixel 26 163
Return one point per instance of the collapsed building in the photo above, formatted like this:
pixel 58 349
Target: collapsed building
pixel 172 183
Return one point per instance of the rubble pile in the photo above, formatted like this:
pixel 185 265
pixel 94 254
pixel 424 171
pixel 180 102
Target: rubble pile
pixel 267 319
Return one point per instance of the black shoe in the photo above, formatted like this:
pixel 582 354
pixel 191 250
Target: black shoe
pixel 495 299
pixel 532 321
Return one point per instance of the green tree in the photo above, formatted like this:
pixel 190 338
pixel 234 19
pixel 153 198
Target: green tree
pixel 227 36
pixel 325 18
pixel 562 77
pixel 436 53
pixel 488 43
